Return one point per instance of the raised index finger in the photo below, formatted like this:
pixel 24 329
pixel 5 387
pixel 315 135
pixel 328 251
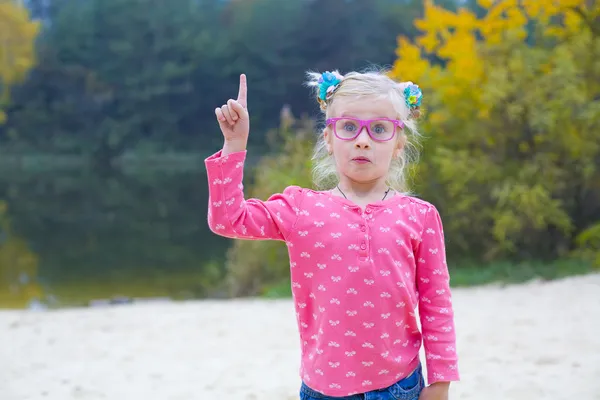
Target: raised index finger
pixel 243 93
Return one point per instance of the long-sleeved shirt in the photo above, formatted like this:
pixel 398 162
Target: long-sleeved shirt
pixel 358 277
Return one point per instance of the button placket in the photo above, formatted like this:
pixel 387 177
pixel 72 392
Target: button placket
pixel 364 237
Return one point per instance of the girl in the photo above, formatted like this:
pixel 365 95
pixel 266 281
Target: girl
pixel 363 254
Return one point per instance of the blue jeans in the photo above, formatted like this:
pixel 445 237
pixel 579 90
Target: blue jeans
pixel 408 388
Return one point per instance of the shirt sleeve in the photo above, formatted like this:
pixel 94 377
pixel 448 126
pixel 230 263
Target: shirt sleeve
pixel 231 215
pixel 435 302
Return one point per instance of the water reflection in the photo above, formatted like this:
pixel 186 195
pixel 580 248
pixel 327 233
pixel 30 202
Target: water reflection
pixel 73 237
pixel 18 266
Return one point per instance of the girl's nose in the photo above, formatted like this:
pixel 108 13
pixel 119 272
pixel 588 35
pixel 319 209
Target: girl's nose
pixel 363 140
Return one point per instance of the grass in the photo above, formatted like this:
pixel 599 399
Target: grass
pixel 82 292
pixel 511 273
pixel 196 284
pixel 468 274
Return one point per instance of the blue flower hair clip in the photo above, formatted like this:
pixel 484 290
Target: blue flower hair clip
pixel 328 83
pixel 412 95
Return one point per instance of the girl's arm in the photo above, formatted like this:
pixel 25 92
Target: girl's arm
pixel 435 303
pixel 231 215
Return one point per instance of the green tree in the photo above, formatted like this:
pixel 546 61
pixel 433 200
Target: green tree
pixel 514 116
pixel 118 76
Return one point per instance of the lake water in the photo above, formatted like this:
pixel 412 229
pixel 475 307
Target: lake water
pixel 78 237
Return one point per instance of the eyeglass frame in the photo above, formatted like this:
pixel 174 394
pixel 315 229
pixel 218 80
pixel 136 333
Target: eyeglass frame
pixel 364 123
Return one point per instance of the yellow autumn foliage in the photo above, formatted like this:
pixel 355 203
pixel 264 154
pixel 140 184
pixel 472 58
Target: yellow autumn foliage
pixel 512 109
pixel 17 51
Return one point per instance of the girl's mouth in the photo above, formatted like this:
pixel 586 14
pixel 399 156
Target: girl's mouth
pixel 361 160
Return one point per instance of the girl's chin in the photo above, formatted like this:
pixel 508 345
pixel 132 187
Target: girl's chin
pixel 361 176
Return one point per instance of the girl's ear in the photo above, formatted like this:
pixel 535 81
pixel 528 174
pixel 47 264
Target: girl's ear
pixel 327 138
pixel 400 146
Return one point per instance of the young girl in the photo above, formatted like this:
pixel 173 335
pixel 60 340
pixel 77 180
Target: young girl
pixel 363 253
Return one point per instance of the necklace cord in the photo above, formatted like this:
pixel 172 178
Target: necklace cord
pixel 384 196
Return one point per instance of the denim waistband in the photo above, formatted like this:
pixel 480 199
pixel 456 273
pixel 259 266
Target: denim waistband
pixel 407 382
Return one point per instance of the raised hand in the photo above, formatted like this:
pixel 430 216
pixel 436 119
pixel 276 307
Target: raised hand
pixel 234 120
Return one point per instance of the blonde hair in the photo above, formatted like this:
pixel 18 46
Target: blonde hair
pixel 362 84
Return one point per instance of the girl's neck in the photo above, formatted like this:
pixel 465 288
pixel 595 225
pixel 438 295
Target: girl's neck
pixel 363 193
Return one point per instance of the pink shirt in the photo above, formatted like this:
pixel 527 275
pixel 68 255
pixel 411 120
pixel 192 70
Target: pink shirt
pixel 357 278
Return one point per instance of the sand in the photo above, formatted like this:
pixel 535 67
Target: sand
pixel 522 342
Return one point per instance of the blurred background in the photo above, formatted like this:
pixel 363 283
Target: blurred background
pixel 107 114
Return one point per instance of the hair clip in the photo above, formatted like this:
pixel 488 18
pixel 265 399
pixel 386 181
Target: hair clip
pixel 328 83
pixel 412 95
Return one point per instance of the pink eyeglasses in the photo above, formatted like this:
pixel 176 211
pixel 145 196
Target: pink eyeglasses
pixel 379 129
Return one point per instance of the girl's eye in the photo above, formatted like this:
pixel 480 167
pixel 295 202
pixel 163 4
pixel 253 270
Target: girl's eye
pixel 350 127
pixel 379 129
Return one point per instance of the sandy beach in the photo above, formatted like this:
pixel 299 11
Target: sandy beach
pixel 521 342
